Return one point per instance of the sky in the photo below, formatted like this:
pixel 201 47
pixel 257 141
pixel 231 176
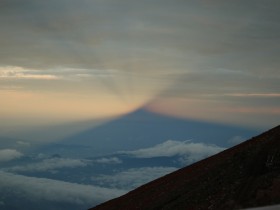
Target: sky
pixel 64 61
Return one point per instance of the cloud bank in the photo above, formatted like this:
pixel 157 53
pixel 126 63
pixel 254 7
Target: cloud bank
pixel 55 191
pixel 189 151
pixel 9 154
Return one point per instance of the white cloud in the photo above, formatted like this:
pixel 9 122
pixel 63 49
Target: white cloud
pixel 111 160
pixel 23 143
pixel 18 72
pixel 50 164
pixel 236 140
pixel 9 154
pixel 58 191
pixel 133 177
pixel 15 72
pixel 190 151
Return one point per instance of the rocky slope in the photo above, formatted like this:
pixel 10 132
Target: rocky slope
pixel 247 175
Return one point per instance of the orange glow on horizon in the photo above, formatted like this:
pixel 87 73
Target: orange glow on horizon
pixel 215 111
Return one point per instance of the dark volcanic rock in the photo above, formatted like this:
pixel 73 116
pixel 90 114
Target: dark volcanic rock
pixel 247 175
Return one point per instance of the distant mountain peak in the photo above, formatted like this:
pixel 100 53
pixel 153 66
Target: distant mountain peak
pixel 247 175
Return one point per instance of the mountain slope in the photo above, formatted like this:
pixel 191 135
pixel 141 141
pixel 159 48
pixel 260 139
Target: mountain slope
pixel 246 175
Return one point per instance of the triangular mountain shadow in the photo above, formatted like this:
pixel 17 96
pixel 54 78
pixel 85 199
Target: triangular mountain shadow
pixel 247 175
pixel 142 129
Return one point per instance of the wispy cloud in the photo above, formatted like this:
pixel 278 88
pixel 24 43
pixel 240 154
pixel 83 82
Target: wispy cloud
pixel 50 164
pixel 23 143
pixel 276 95
pixel 14 72
pixel 133 177
pixel 189 151
pixel 236 140
pixel 9 154
pixel 110 160
pixel 274 110
pixel 18 72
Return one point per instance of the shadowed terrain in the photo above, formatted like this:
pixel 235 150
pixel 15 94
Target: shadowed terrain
pixel 247 175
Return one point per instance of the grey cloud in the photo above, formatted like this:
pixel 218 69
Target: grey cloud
pixel 52 190
pixel 9 154
pixel 110 160
pixel 50 164
pixel 144 36
pixel 81 34
pixel 234 83
pixel 46 32
pixel 236 140
pixel 23 143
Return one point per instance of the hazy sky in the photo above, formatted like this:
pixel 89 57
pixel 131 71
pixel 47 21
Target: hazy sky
pixel 68 60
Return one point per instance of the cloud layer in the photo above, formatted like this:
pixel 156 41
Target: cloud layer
pixel 188 151
pixel 55 191
pixel 9 154
pixel 50 164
